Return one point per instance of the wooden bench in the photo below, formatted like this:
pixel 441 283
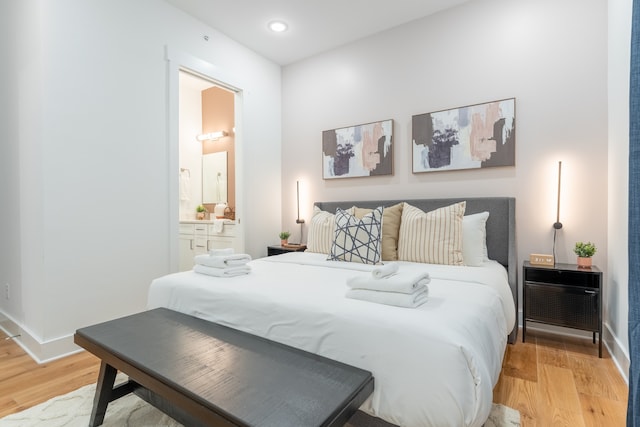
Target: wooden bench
pixel 204 374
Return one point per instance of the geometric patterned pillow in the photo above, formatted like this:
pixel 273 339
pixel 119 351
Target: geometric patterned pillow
pixel 433 237
pixel 390 229
pixel 357 240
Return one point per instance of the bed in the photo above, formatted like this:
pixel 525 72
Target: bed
pixel 434 365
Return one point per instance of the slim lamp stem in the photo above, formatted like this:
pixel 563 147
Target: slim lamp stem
pixel 559 180
pixel 298 197
pixel 558 224
pixel 298 219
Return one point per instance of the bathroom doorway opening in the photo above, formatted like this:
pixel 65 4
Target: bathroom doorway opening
pixel 186 150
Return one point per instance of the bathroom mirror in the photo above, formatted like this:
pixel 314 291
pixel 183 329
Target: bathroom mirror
pixel 214 177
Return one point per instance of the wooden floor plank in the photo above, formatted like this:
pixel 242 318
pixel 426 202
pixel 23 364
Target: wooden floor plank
pixel 600 412
pixel 558 393
pixel 518 394
pixel 521 360
pixel 590 376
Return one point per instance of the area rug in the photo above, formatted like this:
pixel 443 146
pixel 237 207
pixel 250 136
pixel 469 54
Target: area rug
pixel 74 409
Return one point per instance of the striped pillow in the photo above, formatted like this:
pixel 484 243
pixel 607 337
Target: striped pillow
pixel 433 237
pixel 321 231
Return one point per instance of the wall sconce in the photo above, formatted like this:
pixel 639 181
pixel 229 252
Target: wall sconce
pixel 213 136
pixel 298 219
pixel 558 225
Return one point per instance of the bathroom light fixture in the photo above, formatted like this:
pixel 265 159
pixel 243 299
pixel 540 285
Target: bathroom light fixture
pixel 213 136
pixel 278 26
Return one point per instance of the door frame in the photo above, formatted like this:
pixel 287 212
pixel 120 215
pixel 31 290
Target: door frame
pixel 181 61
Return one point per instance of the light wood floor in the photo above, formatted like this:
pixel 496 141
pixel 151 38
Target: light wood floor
pixel 552 380
pixel 555 380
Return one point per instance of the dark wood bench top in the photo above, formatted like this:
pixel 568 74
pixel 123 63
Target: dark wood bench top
pixel 202 373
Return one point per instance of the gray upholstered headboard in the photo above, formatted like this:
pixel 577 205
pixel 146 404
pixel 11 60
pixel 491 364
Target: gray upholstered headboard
pixel 501 228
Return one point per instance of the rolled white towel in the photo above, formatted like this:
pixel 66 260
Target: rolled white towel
pixel 385 270
pixel 403 282
pixel 397 299
pixel 222 261
pixel 221 252
pixel 222 272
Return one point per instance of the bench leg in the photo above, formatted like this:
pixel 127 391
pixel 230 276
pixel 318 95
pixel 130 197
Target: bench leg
pixel 102 398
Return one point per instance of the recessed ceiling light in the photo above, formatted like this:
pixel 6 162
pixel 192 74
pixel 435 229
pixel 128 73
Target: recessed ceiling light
pixel 278 26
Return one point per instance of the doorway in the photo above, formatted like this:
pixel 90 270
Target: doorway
pixel 189 142
pixel 207 155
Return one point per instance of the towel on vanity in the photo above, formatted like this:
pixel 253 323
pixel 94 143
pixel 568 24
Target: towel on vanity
pixel 385 270
pixel 185 186
pixel 222 261
pixel 222 272
pixel 218 225
pixel 397 299
pixel 403 282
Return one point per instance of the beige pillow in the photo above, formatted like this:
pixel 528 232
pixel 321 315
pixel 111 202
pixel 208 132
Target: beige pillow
pixel 390 229
pixel 433 237
pixel 321 231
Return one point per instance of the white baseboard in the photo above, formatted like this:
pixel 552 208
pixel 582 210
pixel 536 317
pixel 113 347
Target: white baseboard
pixel 618 354
pixel 41 351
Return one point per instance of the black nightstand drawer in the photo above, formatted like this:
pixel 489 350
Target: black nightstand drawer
pixel 564 277
pixel 563 295
pixel 567 306
pixel 277 250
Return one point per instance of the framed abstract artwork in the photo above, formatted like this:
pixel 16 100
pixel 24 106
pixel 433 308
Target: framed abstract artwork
pixel 357 151
pixel 471 137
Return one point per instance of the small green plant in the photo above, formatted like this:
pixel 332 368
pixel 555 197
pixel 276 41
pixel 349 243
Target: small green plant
pixel 201 208
pixel 284 235
pixel 585 250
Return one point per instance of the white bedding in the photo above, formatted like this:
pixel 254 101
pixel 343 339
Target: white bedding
pixel 434 365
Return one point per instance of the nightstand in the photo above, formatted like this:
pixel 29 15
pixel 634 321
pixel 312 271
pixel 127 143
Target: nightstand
pixel 277 249
pixel 563 295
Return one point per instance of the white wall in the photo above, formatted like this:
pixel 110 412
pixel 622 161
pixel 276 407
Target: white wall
pixel 617 290
pixel 89 221
pixel 190 119
pixel 540 52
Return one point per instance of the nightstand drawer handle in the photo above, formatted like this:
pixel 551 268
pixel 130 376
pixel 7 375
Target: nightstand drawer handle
pixel 590 292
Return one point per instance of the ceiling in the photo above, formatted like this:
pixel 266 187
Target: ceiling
pixel 315 26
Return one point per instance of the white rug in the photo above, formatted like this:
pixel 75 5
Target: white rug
pixel 74 409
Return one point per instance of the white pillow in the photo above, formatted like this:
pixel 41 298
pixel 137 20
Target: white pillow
pixel 474 239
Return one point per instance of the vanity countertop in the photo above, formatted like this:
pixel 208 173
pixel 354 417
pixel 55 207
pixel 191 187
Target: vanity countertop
pixel 204 221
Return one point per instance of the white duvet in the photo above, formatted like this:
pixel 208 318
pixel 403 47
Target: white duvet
pixel 434 365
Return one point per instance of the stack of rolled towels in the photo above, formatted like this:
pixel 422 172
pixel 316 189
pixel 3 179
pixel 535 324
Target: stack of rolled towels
pixel 222 263
pixel 388 285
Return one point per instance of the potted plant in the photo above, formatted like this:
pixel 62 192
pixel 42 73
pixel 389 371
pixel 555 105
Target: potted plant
pixel 284 237
pixel 201 212
pixel 584 251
